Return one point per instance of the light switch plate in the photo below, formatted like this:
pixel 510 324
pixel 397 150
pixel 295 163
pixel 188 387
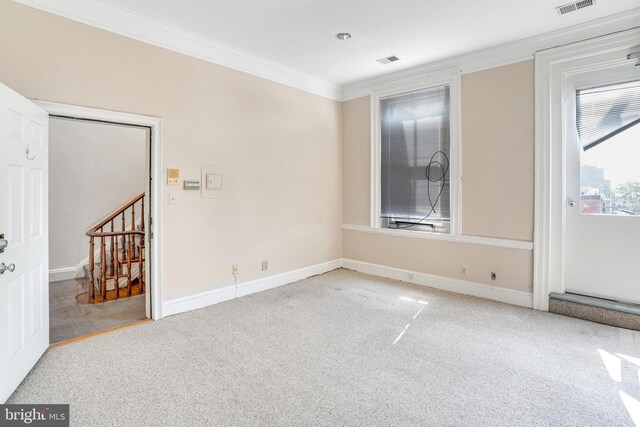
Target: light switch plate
pixel 213 182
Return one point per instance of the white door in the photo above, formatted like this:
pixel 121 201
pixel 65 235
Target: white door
pixel 24 287
pixel 602 175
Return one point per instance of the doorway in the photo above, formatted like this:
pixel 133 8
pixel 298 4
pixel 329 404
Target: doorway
pixel 98 184
pixel 24 233
pixel 586 222
pixel 150 252
pixel 603 184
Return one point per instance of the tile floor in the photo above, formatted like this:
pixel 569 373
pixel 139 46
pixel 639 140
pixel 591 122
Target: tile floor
pixel 68 319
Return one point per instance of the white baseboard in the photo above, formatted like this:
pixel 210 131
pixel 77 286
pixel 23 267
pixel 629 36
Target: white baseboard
pixel 496 293
pixel 204 299
pixel 67 273
pixel 193 302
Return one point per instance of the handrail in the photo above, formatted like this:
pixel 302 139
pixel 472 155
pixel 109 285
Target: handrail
pixel 115 214
pixel 113 233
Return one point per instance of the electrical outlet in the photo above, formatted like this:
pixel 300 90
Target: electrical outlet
pixel 265 265
pixel 494 276
pixel 234 269
pixel 463 270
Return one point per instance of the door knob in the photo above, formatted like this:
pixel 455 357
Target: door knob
pixel 572 203
pixel 10 268
pixel 3 243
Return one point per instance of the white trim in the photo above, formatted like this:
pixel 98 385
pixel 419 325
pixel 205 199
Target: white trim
pixel 204 299
pixel 259 285
pixel 508 53
pixel 374 166
pixel 449 76
pixel 67 273
pixel 473 240
pixel 201 300
pixel 553 70
pixel 227 293
pixel 115 19
pixel 496 293
pixel 155 246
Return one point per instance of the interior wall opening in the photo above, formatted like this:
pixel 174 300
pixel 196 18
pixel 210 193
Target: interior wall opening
pixel 99 217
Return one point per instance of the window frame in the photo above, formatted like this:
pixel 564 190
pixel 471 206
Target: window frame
pixel 450 77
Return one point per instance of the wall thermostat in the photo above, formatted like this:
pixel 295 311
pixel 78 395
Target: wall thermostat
pixel 213 182
pixel 173 176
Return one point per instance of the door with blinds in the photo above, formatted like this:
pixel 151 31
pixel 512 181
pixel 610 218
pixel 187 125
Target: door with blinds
pixel 602 178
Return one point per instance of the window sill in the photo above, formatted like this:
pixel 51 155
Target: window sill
pixel 473 240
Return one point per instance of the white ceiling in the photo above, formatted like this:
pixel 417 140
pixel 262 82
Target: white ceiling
pixel 301 33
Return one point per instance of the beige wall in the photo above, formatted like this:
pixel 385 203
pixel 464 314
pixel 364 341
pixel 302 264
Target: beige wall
pixel 497 152
pixel 356 160
pixel 89 177
pixel 281 147
pixel 297 165
pixel 513 267
pixel 497 189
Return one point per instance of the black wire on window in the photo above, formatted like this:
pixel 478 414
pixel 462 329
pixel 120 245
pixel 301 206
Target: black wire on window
pixel 443 165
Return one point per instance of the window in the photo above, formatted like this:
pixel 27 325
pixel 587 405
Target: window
pixel 415 165
pixel 415 171
pixel 608 124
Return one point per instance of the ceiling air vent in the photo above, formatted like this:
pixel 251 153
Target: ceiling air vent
pixel 571 7
pixel 388 59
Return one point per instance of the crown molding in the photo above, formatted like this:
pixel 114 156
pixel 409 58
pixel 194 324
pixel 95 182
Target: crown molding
pixel 509 53
pixel 115 19
pixel 109 17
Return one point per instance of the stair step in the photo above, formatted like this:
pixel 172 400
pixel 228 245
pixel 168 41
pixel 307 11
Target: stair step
pixel 123 281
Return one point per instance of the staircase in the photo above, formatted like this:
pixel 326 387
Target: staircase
pixel 116 255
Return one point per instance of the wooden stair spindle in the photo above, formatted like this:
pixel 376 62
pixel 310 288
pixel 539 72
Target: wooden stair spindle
pixel 103 270
pixel 115 266
pixel 124 251
pixel 142 215
pixel 141 271
pixel 129 247
pixel 112 252
pixel 92 289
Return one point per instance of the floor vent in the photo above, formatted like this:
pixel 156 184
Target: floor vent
pixel 388 59
pixel 572 7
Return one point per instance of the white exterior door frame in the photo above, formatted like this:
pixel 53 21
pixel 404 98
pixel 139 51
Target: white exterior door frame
pixel 555 70
pixel 155 124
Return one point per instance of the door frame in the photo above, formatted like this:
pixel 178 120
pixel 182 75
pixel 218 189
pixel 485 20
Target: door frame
pixel 155 235
pixel 553 69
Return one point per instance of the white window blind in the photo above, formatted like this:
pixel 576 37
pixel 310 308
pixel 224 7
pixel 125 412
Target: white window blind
pixel 606 111
pixel 415 147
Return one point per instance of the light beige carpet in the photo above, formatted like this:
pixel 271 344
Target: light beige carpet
pixel 345 348
pixel 69 319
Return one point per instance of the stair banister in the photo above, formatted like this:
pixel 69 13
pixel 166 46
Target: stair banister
pixel 114 244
